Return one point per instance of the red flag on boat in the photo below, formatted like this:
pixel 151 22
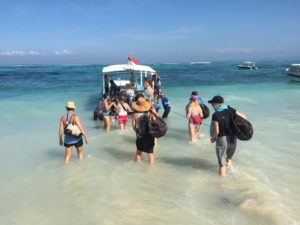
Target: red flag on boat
pixel 132 61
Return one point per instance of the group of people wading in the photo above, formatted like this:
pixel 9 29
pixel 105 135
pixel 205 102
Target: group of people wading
pixel 219 132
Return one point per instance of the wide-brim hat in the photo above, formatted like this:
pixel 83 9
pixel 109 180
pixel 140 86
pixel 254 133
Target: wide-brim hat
pixel 216 99
pixel 141 105
pixel 71 105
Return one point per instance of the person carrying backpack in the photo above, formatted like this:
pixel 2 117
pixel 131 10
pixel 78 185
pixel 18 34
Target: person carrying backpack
pixel 221 132
pixel 122 110
pixel 166 104
pixel 140 121
pixel 69 139
pixel 194 115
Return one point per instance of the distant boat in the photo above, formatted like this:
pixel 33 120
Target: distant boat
pixel 247 66
pixel 294 72
pixel 200 62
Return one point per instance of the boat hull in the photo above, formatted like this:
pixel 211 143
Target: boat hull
pixel 294 77
pixel 247 67
pixel 294 72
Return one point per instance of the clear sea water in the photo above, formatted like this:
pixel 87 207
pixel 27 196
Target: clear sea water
pixel 108 187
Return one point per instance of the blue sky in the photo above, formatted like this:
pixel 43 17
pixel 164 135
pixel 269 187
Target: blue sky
pixel 107 31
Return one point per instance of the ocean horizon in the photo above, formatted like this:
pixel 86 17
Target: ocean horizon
pixel 183 187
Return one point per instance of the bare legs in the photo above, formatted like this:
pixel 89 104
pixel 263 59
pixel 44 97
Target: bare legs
pixel 106 123
pixel 151 158
pixel 69 153
pixel 123 126
pixel 194 132
pixel 229 163
pixel 222 169
pixel 80 153
pixel 138 157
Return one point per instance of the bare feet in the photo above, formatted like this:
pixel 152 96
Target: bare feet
pixel 229 163
pixel 151 158
pixel 138 156
pixel 222 171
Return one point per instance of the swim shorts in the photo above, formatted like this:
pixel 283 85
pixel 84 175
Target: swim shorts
pixel 79 143
pixel 123 119
pixel 145 144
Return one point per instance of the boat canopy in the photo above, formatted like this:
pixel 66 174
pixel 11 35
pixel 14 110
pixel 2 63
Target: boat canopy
pixel 127 68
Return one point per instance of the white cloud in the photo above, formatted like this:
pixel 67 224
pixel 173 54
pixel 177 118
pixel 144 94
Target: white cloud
pixel 63 52
pixel 18 53
pixel 233 50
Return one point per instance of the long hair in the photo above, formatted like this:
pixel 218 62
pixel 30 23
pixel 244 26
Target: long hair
pixel 194 102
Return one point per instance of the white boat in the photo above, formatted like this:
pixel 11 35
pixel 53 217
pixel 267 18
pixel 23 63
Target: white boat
pixel 247 66
pixel 129 78
pixel 294 72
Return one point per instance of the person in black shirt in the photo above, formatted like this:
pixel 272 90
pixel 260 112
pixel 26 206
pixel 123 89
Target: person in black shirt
pixel 221 132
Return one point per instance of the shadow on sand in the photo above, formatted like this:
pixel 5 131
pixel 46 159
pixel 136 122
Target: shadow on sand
pixel 54 153
pixel 188 162
pixel 120 153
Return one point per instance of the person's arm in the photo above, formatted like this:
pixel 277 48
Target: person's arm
pixel 78 123
pixel 128 109
pixel 216 131
pixel 61 131
pixel 189 112
pixel 133 122
pixel 106 106
pixel 153 111
pixel 112 105
pixel 241 115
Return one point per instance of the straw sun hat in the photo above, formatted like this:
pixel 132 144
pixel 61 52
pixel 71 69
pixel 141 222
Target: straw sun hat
pixel 141 105
pixel 71 105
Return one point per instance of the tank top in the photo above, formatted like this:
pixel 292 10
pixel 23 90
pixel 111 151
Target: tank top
pixel 122 111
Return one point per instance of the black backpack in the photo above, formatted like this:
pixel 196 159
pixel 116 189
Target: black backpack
pixel 241 128
pixel 205 111
pixel 142 126
pixel 157 127
pixel 154 127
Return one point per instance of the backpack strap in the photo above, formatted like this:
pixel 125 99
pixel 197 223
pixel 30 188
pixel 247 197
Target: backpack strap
pixel 70 119
pixel 123 106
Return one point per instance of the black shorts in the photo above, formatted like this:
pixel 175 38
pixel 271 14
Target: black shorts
pixel 145 144
pixel 77 144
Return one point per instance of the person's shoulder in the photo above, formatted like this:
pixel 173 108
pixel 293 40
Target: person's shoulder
pixel 231 109
pixel 216 114
pixel 76 117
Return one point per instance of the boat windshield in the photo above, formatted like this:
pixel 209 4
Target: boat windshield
pixel 128 80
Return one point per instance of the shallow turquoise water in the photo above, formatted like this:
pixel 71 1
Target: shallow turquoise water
pixel 183 187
